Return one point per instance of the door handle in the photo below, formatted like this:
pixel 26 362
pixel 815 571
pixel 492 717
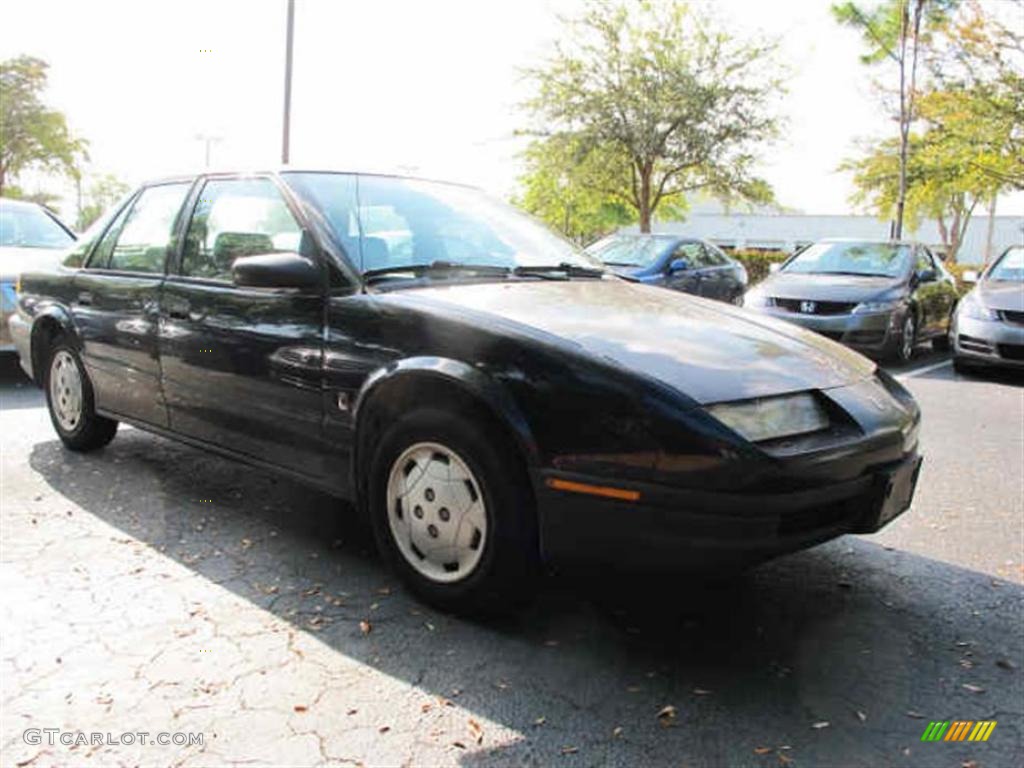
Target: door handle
pixel 84 298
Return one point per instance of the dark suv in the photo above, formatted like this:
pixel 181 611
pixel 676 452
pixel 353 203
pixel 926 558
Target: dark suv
pixel 882 298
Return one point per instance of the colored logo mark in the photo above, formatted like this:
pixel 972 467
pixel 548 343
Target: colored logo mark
pixel 959 730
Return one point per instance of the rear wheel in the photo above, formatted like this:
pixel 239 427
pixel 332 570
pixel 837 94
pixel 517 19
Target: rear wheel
pixel 901 347
pixel 452 512
pixel 69 398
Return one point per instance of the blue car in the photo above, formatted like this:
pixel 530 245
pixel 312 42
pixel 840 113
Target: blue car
pixel 684 264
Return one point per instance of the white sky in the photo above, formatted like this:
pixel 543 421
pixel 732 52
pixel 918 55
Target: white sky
pixel 428 86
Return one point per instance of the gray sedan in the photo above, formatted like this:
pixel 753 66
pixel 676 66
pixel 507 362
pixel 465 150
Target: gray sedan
pixel 988 328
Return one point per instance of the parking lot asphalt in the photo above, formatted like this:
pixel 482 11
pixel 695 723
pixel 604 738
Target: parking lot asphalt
pixel 152 587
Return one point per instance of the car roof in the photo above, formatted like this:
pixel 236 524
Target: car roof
pixel 278 170
pixel 867 241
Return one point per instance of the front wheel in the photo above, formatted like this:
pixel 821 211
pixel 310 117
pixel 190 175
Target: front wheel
pixel 452 512
pixel 69 398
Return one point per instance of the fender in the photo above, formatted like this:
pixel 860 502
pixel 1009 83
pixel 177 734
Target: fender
pixel 44 316
pixel 471 380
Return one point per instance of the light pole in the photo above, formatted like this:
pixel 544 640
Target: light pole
pixel 208 139
pixel 288 83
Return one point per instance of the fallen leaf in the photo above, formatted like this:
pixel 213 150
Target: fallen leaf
pixel 973 688
pixel 617 731
pixel 821 724
pixel 384 591
pixel 762 750
pixel 844 585
pixel 475 730
pixel 351 711
pixel 862 716
pixel 633 688
pixel 550 643
pixel 458 745
pixel 667 715
pixel 365 627
pixel 426 707
pixel 570 750
pixel 384 729
pixel 1005 664
pixel 300 708
pixel 915 715
pixel 429 626
pixel 701 692
pixel 784 760
pixel 540 721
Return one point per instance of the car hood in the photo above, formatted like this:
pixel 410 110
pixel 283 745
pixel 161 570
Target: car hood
pixel 709 351
pixel 845 288
pixel 1002 295
pixel 14 260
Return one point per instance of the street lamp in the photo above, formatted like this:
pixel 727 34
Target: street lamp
pixel 208 139
pixel 288 82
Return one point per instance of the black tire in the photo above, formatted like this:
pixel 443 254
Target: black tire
pixel 506 572
pixel 92 431
pixel 897 351
pixel 962 366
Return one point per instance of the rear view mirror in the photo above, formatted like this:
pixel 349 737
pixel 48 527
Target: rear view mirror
pixel 275 270
pixel 927 276
pixel 970 276
pixel 678 265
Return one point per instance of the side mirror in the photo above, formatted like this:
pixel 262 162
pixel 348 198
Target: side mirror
pixel 678 265
pixel 927 276
pixel 970 276
pixel 775 266
pixel 275 270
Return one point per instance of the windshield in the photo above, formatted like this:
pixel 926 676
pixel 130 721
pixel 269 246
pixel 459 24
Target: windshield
pixel 1010 266
pixel 867 259
pixel 636 251
pixel 389 223
pixel 31 227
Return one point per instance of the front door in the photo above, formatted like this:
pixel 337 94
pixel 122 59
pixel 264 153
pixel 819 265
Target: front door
pixel 688 279
pixel 242 367
pixel 115 304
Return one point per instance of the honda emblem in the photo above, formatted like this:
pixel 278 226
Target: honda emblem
pixel 808 307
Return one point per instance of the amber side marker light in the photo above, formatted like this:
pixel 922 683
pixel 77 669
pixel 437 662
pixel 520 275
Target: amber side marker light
pixel 593 490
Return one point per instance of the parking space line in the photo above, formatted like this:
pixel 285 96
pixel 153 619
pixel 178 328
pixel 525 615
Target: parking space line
pixel 925 369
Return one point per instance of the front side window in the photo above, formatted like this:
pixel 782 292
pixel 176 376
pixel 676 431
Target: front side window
pixel 693 253
pixel 409 222
pixel 859 259
pixel 146 233
pixel 31 227
pixel 235 218
pixel 1009 268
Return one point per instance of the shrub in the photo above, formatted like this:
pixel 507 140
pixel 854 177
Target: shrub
pixel 758 263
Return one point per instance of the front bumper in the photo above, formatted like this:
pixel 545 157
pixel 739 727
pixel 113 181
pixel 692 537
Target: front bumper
pixel 8 301
pixel 21 342
pixel 670 528
pixel 868 332
pixel 988 342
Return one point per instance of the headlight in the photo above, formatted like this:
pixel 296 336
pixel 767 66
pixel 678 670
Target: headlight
pixel 868 307
pixel 772 417
pixel 756 298
pixel 972 307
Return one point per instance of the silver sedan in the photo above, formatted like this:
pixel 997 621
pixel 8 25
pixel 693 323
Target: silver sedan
pixel 988 328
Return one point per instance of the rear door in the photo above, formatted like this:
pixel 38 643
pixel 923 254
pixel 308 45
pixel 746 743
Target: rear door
pixel 115 303
pixel 242 367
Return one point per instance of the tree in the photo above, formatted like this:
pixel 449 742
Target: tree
pixel 102 193
pixel 896 31
pixel 667 101
pixel 573 190
pixel 31 134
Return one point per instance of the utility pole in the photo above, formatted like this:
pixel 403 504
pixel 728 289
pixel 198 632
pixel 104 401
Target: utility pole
pixel 288 83
pixel 208 139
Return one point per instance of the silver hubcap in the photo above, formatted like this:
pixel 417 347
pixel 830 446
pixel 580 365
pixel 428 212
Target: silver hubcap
pixel 66 391
pixel 908 338
pixel 436 512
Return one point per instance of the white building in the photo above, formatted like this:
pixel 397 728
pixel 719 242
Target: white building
pixel 787 232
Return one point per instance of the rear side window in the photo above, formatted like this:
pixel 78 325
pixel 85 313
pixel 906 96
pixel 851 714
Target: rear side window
pixel 141 240
pixel 235 218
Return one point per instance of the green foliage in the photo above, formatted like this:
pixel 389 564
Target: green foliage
pixel 39 197
pixel 645 102
pixel 102 193
pixel 758 263
pixel 32 135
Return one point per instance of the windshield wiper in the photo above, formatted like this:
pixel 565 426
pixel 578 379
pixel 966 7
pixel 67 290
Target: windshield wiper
pixel 551 271
pixel 436 269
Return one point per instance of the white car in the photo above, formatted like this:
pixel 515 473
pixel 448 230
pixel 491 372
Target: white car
pixel 31 238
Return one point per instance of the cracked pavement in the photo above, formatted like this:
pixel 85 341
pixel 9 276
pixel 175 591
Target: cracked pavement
pixel 152 587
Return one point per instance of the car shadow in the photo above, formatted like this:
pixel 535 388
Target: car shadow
pixel 831 655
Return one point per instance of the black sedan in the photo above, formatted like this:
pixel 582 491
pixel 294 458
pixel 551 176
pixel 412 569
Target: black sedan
pixel 486 395
pixel 882 298
pixel 681 263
